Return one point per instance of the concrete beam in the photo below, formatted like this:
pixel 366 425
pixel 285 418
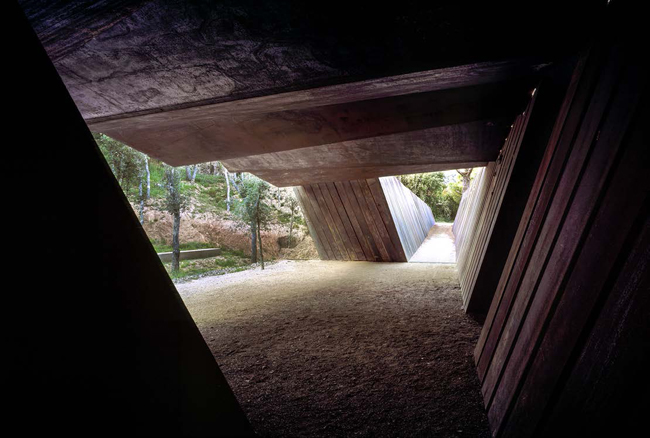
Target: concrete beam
pixel 442 148
pixel 227 131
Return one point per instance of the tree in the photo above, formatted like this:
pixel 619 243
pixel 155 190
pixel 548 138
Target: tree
pixel 428 187
pixel 146 168
pixel 126 163
pixel 253 210
pixel 175 202
pixel 466 175
pixel 442 197
pixel 144 173
pixel 451 197
pixel 293 208
pixel 225 174
pixel 190 172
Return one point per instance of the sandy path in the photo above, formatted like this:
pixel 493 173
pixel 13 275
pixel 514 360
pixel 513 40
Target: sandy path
pixel 318 348
pixel 438 247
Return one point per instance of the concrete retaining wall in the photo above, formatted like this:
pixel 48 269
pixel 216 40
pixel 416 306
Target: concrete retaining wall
pixel 191 254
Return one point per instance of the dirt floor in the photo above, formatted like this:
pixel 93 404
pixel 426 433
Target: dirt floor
pixel 324 348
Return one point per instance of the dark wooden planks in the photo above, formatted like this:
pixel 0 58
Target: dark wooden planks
pixel 547 220
pixel 549 171
pixel 482 259
pixel 374 223
pixel 617 347
pixel 314 232
pixel 471 255
pixel 352 240
pixel 544 357
pixel 379 196
pixel 361 229
pixel 328 217
pixel 485 223
pixel 353 220
pixel 315 217
pixel 605 211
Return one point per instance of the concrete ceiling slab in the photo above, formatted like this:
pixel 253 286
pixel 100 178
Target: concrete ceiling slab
pixel 189 82
pixel 126 56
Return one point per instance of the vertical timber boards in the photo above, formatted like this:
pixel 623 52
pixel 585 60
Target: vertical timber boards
pixel 513 175
pixel 356 220
pixel 314 232
pixel 562 351
pixel 469 209
pixel 464 224
pixel 471 255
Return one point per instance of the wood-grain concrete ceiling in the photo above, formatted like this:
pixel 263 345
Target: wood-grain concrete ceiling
pixel 298 91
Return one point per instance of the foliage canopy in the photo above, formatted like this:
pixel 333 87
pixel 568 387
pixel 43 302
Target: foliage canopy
pixel 442 196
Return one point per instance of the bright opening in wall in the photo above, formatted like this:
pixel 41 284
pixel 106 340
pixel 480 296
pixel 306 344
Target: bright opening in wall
pixel 219 222
pixel 442 192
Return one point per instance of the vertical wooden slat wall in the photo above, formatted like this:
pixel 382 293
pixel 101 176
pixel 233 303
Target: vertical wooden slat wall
pixel 412 217
pixel 350 220
pixel 371 219
pixel 482 207
pixel 465 225
pixel 497 212
pixel 565 342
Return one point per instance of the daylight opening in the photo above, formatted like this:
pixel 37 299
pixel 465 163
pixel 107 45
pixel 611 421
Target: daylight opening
pixel 203 220
pixel 442 192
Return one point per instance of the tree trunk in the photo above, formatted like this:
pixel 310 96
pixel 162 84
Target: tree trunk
pixel 176 251
pixel 196 169
pixel 140 191
pixel 259 236
pixel 253 242
pixel 225 173
pixel 467 178
pixel 234 182
pixel 291 227
pixel 146 168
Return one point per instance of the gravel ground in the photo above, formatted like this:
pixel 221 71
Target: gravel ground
pixel 324 348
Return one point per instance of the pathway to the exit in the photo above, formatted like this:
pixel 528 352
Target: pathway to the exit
pixel 438 247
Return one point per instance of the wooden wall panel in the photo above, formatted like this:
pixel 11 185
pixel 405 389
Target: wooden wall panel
pixel 471 254
pixel 495 223
pixel 578 262
pixel 470 207
pixel 360 220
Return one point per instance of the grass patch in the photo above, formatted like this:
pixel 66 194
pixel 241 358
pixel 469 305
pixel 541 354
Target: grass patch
pixel 229 261
pixel 210 180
